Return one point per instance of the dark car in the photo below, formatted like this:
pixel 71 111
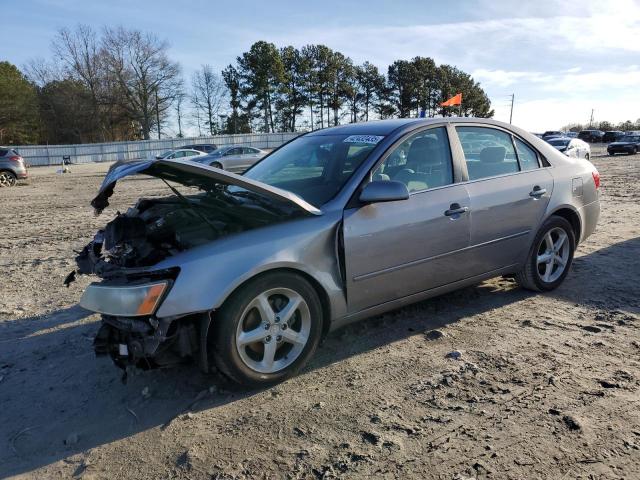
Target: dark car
pixel 628 144
pixel 612 136
pixel 591 136
pixel 12 167
pixel 201 147
pixel 552 133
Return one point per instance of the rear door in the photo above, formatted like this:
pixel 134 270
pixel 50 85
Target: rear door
pixel 509 189
pixel 396 249
pixel 233 160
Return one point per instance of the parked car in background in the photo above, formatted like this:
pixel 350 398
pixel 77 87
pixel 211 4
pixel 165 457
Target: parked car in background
pixel 181 153
pixel 12 167
pixel 571 147
pixel 235 158
pixel 201 147
pixel 591 136
pixel 612 136
pixel 571 134
pixel 246 273
pixel 552 133
pixel 628 144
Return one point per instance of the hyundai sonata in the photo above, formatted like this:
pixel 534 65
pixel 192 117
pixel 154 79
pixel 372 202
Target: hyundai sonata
pixel 247 273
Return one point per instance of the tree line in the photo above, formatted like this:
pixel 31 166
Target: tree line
pixel 626 126
pixel 121 84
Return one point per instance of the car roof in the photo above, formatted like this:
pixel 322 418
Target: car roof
pixel 386 127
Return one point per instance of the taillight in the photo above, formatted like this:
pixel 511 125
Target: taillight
pixel 596 178
pixel 15 158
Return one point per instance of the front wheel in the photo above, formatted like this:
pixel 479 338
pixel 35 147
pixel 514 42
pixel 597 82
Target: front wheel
pixel 217 165
pixel 267 330
pixel 550 256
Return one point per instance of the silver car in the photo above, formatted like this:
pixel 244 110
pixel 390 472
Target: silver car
pixel 12 167
pixel 180 153
pixel 571 147
pixel 235 158
pixel 248 273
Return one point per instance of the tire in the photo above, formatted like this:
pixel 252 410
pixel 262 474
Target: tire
pixel 241 339
pixel 217 165
pixel 7 178
pixel 553 273
pixel 587 157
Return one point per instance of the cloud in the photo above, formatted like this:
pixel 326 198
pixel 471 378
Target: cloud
pixel 503 78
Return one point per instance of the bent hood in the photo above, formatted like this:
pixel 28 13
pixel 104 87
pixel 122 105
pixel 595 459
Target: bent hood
pixel 191 174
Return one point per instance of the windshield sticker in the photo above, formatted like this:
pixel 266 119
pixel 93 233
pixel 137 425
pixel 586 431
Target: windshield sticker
pixel 370 139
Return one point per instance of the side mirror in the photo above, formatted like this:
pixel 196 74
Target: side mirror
pixel 384 191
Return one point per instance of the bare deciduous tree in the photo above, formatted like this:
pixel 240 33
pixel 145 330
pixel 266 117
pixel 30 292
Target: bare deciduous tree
pixel 147 80
pixel 209 94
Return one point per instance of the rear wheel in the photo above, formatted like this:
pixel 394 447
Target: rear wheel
pixel 550 257
pixel 217 165
pixel 267 330
pixel 7 179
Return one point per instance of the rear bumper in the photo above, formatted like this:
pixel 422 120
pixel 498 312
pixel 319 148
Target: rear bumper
pixel 590 215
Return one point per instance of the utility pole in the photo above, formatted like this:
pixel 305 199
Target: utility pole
pixel 513 97
pixel 157 113
pixel 591 119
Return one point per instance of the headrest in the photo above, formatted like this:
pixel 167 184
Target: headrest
pixel 425 151
pixel 493 154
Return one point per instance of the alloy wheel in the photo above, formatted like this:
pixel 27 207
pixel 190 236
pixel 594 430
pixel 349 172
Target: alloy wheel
pixel 273 330
pixel 7 179
pixel 553 255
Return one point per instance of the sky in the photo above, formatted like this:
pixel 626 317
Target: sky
pixel 561 59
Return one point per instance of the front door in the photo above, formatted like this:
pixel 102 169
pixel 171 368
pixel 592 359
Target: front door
pixel 509 189
pixel 399 248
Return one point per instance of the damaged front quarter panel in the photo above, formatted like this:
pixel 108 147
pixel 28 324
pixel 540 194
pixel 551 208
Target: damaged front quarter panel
pixel 129 248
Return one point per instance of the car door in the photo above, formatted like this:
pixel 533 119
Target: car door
pixel 509 187
pixel 233 159
pixel 396 249
pixel 251 156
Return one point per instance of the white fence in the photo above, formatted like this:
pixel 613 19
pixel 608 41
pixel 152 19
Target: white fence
pixel 36 155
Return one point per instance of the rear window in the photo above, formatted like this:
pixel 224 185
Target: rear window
pixel 3 152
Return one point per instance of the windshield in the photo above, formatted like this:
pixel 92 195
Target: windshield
pixel 165 154
pixel 561 142
pixel 314 167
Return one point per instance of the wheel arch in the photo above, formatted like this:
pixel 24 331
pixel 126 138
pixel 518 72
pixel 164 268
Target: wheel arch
pixel 317 286
pixel 572 216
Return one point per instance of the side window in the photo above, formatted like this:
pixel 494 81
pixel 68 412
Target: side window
pixel 527 156
pixel 189 154
pixel 421 161
pixel 487 151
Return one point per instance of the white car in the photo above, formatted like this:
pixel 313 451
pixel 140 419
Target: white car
pixel 571 147
pixel 180 153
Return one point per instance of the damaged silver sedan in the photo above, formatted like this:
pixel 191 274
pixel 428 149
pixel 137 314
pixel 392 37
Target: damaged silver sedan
pixel 247 273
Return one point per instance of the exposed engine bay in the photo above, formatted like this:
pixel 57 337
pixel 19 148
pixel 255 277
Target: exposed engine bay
pixel 207 204
pixel 156 228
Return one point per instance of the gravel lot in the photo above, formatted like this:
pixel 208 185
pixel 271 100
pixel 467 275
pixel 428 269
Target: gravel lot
pixel 547 386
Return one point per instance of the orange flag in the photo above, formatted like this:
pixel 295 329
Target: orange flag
pixel 455 100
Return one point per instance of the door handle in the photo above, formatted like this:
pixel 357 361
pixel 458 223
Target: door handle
pixel 455 209
pixel 537 192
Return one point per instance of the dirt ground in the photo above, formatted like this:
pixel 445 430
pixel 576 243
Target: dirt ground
pixel 546 386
